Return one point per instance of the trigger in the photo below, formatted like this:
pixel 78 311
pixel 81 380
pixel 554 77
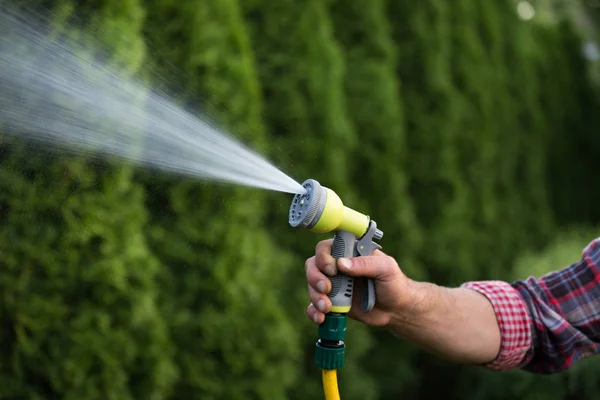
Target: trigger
pixel 368 295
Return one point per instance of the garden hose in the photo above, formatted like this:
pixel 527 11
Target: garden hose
pixel 320 210
pixel 330 385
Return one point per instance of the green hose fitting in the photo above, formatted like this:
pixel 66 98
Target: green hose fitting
pixel 330 348
pixel 333 328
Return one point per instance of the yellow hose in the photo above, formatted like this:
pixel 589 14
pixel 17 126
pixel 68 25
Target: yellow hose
pixel 330 385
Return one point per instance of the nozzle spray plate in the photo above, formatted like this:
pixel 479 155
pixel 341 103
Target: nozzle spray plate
pixel 307 208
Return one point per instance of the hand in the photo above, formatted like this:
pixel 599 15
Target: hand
pixel 392 287
pixel 429 315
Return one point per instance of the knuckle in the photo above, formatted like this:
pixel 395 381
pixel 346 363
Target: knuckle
pixel 311 278
pixel 313 273
pixel 310 310
pixel 323 246
pixel 388 266
pixel 319 247
pixel 313 294
pixel 308 263
pixel 391 263
pixel 315 298
pixel 323 260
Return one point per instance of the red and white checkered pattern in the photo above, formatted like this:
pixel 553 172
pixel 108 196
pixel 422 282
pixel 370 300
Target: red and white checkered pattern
pixel 513 319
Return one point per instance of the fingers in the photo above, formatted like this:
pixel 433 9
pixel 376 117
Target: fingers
pixel 316 279
pixel 315 315
pixel 322 264
pixel 323 258
pixel 321 302
pixel 318 286
pixel 380 267
pixel 325 262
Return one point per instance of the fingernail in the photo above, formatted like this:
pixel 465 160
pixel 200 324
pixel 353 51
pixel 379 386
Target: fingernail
pixel 316 317
pixel 322 286
pixel 321 305
pixel 346 263
pixel 330 270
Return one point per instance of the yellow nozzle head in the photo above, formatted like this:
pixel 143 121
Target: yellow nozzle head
pixel 321 210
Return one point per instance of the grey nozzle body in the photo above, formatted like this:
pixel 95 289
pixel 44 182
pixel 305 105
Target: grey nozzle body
pixel 306 209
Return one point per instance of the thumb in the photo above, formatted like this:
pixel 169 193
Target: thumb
pixel 379 267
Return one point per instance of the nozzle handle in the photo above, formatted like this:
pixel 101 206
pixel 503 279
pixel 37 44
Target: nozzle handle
pixel 344 245
pixel 368 297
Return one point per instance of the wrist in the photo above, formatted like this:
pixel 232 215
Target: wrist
pixel 417 307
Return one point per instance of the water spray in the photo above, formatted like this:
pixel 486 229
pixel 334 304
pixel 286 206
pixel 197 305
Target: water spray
pixel 320 210
pixel 56 95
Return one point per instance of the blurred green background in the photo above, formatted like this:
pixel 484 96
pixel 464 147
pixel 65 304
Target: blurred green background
pixel 470 130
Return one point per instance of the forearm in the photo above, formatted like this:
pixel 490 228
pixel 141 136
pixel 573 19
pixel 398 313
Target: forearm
pixel 541 325
pixel 457 324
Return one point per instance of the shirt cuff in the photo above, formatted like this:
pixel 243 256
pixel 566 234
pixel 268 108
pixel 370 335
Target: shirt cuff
pixel 513 319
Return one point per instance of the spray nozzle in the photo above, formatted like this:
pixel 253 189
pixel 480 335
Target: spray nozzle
pixel 320 210
pixel 306 208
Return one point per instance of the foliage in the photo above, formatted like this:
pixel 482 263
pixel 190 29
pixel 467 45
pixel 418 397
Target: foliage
pixel 79 310
pixel 466 133
pixel 222 271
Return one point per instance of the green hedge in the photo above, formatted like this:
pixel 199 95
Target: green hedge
pixel 467 134
pixel 79 300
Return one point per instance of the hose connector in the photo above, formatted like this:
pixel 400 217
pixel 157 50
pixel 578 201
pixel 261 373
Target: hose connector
pixel 330 348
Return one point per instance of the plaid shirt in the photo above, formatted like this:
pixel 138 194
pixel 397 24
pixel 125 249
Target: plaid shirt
pixel 548 323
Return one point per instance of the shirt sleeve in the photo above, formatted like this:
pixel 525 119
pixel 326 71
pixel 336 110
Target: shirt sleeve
pixel 513 319
pixel 565 310
pixel 548 323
